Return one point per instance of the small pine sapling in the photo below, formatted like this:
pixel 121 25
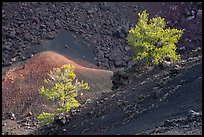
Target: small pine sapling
pixel 61 87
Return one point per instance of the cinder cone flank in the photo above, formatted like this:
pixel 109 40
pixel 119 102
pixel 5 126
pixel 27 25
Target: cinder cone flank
pixel 20 86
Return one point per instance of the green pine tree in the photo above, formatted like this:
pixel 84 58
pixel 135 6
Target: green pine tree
pixel 152 42
pixel 61 87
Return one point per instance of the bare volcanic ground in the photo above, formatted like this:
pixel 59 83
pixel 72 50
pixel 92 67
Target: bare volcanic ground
pixel 148 101
pixel 20 85
pixel 152 100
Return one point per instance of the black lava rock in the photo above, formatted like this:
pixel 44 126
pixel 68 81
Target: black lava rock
pixel 119 79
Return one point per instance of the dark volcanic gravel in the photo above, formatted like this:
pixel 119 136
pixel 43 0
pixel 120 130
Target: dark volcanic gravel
pixel 153 102
pixel 104 24
pixel 191 124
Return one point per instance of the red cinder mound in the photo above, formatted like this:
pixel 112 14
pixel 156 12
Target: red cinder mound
pixel 20 85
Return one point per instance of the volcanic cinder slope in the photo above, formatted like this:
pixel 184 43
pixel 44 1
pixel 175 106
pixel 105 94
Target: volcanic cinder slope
pixel 21 84
pixel 152 97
